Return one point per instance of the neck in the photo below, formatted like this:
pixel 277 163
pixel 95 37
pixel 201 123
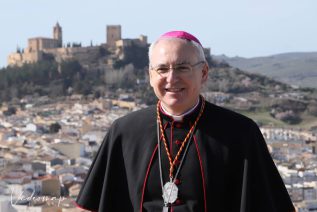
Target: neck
pixel 179 116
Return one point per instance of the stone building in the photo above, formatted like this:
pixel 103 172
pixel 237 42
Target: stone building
pixel 113 34
pixel 69 149
pixel 141 41
pixel 36 48
pixel 58 34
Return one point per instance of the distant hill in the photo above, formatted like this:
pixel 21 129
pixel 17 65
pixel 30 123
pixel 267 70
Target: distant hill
pixel 298 69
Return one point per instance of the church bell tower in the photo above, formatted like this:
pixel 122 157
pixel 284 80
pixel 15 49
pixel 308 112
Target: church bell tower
pixel 57 34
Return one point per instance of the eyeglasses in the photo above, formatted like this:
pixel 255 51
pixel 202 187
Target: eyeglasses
pixel 180 69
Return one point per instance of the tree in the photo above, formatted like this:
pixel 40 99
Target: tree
pixel 54 128
pixel 312 109
pixel 134 54
pixel 10 111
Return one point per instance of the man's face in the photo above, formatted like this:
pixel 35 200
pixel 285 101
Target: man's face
pixel 177 91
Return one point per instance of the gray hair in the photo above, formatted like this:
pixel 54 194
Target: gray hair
pixel 200 50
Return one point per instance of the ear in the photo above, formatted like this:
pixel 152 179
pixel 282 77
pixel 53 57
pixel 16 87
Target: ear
pixel 150 77
pixel 205 72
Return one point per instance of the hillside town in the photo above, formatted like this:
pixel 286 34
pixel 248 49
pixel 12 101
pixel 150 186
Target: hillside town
pixel 47 146
pixel 46 149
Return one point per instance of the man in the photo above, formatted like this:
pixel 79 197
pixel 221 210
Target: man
pixel 184 154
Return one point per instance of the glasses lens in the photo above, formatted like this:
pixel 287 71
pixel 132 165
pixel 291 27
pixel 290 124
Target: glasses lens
pixel 162 69
pixel 183 68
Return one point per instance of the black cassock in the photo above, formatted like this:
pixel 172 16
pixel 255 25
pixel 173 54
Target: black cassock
pixel 125 173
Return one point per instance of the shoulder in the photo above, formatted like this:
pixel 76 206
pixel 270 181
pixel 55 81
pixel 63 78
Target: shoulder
pixel 145 113
pixel 227 118
pixel 231 129
pixel 136 119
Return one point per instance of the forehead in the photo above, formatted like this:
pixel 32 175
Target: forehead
pixel 173 50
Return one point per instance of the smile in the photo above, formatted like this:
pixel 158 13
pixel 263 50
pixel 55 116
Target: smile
pixel 174 89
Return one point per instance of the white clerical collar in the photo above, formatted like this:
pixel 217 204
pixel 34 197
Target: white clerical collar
pixel 180 117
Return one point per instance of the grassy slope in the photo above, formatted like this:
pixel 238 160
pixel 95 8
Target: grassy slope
pixel 267 120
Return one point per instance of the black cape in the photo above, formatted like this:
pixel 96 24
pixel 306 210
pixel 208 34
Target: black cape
pixel 227 153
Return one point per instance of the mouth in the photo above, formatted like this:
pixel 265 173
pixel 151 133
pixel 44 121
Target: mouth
pixel 174 90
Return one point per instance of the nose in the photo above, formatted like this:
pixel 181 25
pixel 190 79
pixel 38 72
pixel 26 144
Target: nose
pixel 171 76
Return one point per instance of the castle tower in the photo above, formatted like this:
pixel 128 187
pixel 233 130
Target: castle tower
pixel 57 34
pixel 113 34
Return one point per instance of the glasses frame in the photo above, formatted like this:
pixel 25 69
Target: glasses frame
pixel 175 68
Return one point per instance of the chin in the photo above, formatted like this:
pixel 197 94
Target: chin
pixel 174 103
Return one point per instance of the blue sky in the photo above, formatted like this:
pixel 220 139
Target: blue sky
pixel 246 28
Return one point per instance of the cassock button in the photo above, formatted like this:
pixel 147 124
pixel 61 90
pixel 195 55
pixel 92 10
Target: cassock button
pixel 177 181
pixel 177 162
pixel 178 142
pixel 178 125
pixel 178 202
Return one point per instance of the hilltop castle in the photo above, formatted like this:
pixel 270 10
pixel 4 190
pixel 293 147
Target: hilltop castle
pixel 40 48
pixel 101 56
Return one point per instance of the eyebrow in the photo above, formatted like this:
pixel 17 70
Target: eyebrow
pixel 177 64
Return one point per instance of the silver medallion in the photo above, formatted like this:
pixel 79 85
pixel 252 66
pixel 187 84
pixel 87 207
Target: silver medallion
pixel 165 209
pixel 170 192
